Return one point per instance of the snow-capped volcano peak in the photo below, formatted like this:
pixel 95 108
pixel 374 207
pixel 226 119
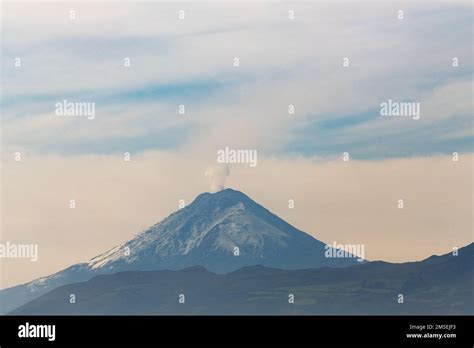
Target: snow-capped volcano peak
pixel 221 231
pixel 213 225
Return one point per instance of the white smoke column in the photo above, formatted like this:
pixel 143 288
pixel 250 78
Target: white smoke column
pixel 218 175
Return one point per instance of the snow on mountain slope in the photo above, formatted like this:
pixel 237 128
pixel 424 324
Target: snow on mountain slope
pixel 207 233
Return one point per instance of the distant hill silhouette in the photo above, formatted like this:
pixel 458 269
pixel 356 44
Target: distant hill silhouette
pixel 437 285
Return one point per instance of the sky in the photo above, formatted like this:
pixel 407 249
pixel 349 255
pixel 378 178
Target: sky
pixel 283 61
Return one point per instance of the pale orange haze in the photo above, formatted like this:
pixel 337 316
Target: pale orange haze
pixel 347 202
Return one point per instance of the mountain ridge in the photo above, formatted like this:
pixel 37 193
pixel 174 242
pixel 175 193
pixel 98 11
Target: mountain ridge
pixel 443 287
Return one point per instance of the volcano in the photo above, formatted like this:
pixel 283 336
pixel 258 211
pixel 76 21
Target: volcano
pixel 221 232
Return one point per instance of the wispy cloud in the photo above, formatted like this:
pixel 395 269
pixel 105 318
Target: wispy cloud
pixel 282 62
